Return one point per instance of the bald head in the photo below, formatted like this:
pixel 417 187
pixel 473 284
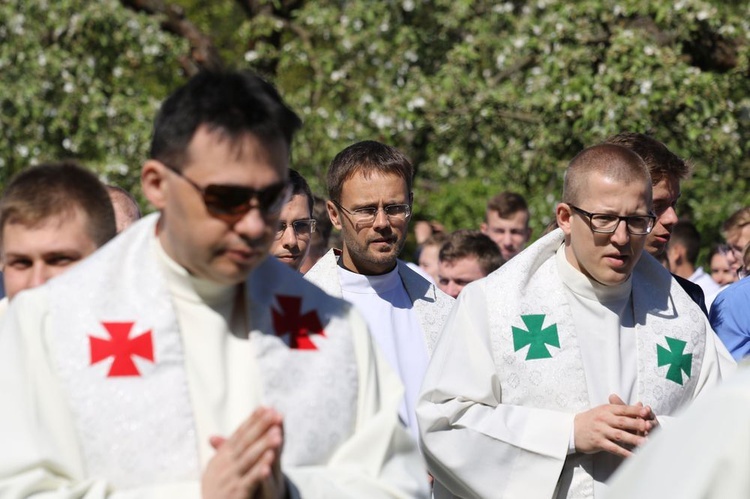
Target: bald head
pixel 611 161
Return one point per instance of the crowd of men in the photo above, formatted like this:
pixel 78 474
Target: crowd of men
pixel 225 346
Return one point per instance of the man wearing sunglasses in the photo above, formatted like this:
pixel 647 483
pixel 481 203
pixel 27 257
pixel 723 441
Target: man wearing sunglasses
pixel 183 360
pixel 369 190
pixel 557 365
pixel 296 224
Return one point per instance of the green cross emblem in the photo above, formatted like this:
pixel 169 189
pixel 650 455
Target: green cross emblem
pixel 677 361
pixel 535 336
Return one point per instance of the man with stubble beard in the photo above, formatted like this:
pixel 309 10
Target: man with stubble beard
pixel 369 189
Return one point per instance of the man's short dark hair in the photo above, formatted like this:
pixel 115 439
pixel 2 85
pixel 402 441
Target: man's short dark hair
pixel 230 103
pixel 323 228
pixel 686 234
pixel 323 225
pixel 466 243
pixel 507 204
pixel 367 157
pixel 57 189
pixel 660 161
pixel 300 186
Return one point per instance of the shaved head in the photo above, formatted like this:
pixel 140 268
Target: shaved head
pixel 611 161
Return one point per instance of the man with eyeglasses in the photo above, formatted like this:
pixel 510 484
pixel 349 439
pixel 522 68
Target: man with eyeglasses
pixel 730 310
pixel 369 190
pixel 666 170
pixel 557 365
pixel 182 360
pixel 296 225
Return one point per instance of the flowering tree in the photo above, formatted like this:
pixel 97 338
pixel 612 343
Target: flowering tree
pixel 81 80
pixel 484 96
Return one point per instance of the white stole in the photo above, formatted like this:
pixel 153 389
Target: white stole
pixel 537 354
pixel 137 428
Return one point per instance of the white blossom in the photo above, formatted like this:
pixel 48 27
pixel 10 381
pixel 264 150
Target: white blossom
pixel 416 103
pixel 646 86
pixel 445 160
pixel 408 5
pixel 380 120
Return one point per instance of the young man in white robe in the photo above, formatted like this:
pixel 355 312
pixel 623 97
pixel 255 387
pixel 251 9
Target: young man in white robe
pixel 553 368
pixel 181 360
pixel 52 216
pixel 369 190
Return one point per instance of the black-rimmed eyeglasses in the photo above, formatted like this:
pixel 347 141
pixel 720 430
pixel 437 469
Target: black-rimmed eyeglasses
pixel 605 223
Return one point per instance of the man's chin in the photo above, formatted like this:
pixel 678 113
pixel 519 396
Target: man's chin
pixel 230 273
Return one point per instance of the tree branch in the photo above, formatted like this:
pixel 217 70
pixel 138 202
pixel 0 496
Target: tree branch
pixel 203 53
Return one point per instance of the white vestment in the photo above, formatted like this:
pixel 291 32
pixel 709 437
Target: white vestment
pixel 119 371
pixel 705 454
pixel 404 349
pixel 394 326
pixel 510 372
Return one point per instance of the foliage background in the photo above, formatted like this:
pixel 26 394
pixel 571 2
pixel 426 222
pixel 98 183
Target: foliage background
pixel 484 96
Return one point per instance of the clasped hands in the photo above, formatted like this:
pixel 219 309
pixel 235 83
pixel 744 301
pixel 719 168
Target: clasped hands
pixel 615 427
pixel 247 465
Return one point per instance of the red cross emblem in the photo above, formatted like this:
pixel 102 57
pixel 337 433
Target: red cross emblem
pixel 300 327
pixel 121 348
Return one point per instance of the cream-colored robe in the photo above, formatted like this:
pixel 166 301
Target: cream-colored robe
pixel 68 429
pixel 705 454
pixel 430 304
pixel 506 378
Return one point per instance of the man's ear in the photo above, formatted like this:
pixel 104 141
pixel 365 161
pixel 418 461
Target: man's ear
pixel 153 183
pixel 676 253
pixel 333 214
pixel 563 214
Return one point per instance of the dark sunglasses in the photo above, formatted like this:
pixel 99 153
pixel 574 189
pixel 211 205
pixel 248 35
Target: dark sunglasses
pixel 232 202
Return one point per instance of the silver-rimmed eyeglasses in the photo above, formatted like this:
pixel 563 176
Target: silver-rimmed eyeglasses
pixel 366 216
pixel 302 228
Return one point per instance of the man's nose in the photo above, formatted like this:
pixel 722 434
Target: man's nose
pixel 289 237
pixel 39 275
pixel 621 236
pixel 669 217
pixel 381 220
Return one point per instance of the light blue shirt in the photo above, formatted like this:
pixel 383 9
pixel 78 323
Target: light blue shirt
pixel 730 318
